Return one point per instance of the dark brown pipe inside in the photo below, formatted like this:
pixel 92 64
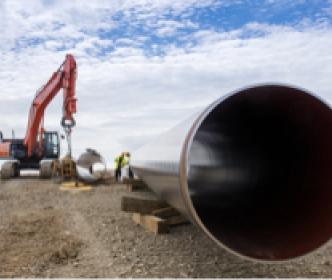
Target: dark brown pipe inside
pixel 260 172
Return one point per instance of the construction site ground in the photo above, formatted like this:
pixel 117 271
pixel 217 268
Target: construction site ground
pixel 45 232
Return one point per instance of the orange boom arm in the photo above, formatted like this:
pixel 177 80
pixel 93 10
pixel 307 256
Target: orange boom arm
pixel 64 78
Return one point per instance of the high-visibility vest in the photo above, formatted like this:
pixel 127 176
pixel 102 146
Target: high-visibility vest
pixel 116 162
pixel 124 161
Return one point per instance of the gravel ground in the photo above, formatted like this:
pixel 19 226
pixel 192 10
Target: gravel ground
pixel 45 232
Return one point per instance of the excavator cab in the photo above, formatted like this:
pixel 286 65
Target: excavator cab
pixel 51 143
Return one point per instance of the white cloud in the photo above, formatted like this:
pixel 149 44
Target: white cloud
pixel 125 96
pixel 44 18
pixel 167 28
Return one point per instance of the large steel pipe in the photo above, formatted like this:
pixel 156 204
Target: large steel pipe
pixel 86 166
pixel 253 171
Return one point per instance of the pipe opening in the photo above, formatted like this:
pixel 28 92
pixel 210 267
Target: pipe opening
pixel 260 172
pixel 91 166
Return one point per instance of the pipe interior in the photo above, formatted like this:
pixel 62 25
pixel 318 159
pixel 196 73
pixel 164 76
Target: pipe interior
pixel 260 172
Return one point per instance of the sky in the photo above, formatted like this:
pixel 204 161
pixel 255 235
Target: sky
pixel 145 65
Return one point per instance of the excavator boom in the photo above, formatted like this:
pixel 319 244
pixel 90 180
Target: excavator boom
pixel 64 78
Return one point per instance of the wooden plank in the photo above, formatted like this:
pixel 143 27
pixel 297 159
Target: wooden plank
pixel 135 188
pixel 177 220
pixel 134 184
pixel 151 223
pixel 137 218
pixel 141 202
pixel 133 181
pixel 165 212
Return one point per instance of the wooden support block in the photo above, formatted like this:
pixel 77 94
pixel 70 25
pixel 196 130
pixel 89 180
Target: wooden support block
pixel 151 223
pixel 137 218
pixel 165 212
pixel 177 220
pixel 141 202
pixel 139 185
pixel 135 188
pixel 135 185
pixel 132 181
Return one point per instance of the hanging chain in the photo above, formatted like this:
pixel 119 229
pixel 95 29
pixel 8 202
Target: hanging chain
pixel 67 126
pixel 68 139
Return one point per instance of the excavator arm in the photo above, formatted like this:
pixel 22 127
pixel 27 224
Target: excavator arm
pixel 64 78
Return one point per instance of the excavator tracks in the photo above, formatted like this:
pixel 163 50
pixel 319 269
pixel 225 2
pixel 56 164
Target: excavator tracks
pixel 48 169
pixel 9 170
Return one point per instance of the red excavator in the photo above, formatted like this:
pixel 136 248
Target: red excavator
pixel 39 147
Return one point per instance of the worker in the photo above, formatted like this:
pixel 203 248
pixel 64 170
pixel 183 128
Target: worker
pixel 120 162
pixel 130 172
pixel 127 172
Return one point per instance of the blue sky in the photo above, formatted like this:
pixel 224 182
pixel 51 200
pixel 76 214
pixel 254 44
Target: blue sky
pixel 145 65
pixel 172 25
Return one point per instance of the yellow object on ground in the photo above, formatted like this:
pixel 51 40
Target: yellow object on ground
pixel 74 186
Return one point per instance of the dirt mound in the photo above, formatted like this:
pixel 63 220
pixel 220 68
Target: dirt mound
pixel 34 242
